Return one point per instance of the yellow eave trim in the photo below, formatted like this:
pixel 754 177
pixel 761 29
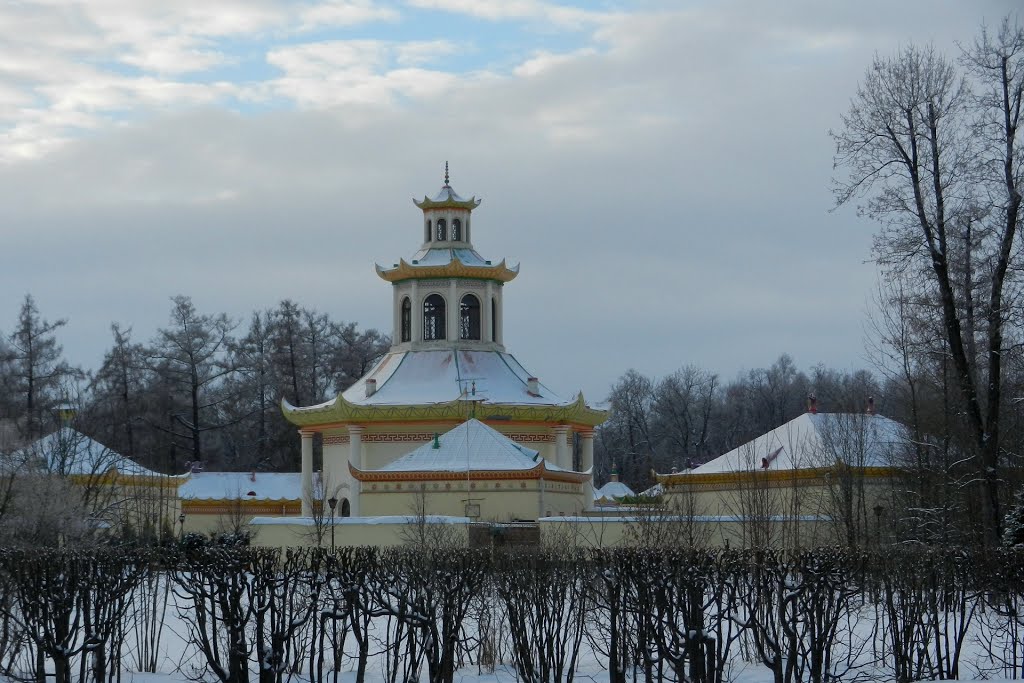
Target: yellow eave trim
pixel 454 268
pixel 538 472
pixel 341 411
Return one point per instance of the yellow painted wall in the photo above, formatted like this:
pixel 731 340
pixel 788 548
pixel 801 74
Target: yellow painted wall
pixel 206 517
pixel 598 532
pixel 498 500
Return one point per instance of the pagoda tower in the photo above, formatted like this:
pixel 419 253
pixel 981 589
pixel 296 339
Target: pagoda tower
pixel 447 364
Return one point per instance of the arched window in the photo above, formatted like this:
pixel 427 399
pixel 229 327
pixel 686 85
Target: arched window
pixel 406 332
pixel 346 508
pixel 442 230
pixel 433 317
pixel 428 232
pixel 494 319
pixel 456 230
pixel 469 317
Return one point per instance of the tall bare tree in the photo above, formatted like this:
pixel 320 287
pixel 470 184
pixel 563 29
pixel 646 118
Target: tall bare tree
pixel 934 158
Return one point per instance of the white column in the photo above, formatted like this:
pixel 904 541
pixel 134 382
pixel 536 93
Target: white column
pixel 355 456
pixel 307 472
pixel 396 316
pixel 562 455
pixel 486 313
pixel 453 311
pixel 417 314
pixel 586 449
pixel 587 463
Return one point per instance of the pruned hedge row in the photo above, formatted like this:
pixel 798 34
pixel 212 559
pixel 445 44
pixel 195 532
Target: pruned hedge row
pixel 239 614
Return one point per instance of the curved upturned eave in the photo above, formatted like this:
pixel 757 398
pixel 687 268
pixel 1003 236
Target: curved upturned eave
pixel 455 268
pixel 428 203
pixel 538 472
pixel 340 411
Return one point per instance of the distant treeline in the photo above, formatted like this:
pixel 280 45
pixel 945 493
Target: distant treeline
pixel 204 388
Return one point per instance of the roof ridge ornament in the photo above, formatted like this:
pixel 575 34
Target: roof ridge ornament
pixel 446 174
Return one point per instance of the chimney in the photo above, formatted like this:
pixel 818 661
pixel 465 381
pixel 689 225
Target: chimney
pixel 871 405
pixel 533 386
pixel 371 387
pixel 812 404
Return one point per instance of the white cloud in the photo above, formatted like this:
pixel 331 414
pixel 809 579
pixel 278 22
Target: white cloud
pixel 501 10
pixel 421 52
pixel 335 73
pixel 107 59
pixel 344 13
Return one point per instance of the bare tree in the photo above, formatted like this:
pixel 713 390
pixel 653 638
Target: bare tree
pixel 939 166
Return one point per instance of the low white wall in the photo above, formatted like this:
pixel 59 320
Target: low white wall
pixel 283 532
pixel 604 531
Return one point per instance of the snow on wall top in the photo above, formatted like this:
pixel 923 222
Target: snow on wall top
pixel 425 377
pixel 613 490
pixel 68 452
pixel 242 486
pixel 817 440
pixel 471 446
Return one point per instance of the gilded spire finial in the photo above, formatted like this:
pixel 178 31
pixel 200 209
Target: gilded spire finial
pixel 446 174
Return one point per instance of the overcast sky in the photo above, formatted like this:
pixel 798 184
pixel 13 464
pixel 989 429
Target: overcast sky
pixel 660 169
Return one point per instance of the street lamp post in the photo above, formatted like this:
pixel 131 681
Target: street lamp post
pixel 332 502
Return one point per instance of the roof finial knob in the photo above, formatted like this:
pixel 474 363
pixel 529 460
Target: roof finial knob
pixel 446 174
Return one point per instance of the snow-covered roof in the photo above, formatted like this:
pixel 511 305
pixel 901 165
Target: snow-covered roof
pixel 242 486
pixel 654 491
pixel 471 446
pixel 447 196
pixel 817 440
pixel 613 490
pixel 424 377
pixel 69 452
pixel 435 256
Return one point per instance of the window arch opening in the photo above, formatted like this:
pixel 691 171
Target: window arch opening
pixel 433 318
pixel 346 508
pixel 406 326
pixel 456 230
pixel 428 232
pixel 469 317
pixel 442 230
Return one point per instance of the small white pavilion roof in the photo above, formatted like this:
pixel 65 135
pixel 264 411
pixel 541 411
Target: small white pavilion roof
pixel 425 377
pixel 471 446
pixel 242 486
pixel 817 440
pixel 69 452
pixel 442 256
pixel 613 490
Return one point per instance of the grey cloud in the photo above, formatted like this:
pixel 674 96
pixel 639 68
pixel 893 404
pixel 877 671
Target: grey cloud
pixel 667 195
